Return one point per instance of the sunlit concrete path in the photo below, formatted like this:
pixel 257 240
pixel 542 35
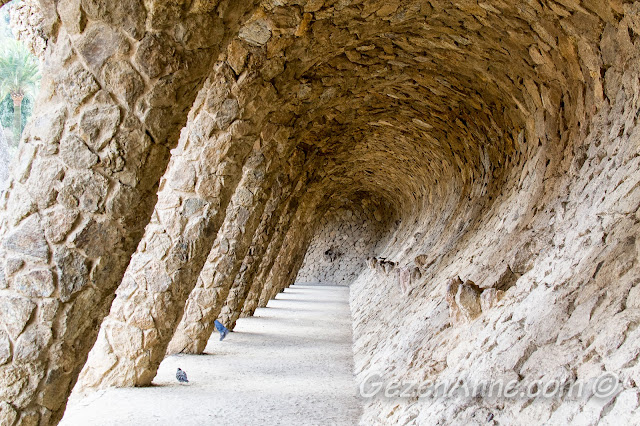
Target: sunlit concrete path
pixel 291 364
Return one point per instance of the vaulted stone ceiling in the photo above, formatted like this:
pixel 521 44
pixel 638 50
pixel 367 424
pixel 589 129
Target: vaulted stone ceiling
pixel 187 153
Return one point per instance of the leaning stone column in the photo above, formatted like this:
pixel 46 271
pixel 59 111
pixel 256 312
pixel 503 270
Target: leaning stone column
pixel 118 81
pixel 293 250
pixel 201 179
pixel 287 264
pixel 225 259
pixel 237 294
pixel 270 255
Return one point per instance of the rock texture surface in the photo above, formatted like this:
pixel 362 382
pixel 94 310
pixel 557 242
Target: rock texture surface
pixel 487 152
pixel 5 157
pixel 343 241
pixel 60 275
pixel 27 24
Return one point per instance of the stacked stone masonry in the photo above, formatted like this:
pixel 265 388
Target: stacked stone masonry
pixel 343 241
pixel 470 168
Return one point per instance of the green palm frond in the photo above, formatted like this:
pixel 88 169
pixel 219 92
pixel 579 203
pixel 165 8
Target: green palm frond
pixel 19 70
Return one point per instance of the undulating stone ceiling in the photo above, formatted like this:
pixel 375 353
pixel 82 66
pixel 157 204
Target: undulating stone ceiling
pixel 384 92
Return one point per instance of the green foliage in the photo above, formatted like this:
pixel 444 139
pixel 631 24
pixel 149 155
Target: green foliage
pixel 19 70
pixel 19 82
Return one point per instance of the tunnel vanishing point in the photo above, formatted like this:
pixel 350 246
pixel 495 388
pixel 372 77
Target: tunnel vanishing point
pixel 470 168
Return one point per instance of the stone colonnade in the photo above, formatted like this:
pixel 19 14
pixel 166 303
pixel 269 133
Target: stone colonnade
pixel 183 155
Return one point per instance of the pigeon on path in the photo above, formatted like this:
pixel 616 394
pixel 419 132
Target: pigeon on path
pixel 181 376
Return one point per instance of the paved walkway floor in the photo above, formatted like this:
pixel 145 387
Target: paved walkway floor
pixel 291 364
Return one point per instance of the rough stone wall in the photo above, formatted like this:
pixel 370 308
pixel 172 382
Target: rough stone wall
pixel 5 159
pixel 570 313
pixel 343 241
pixel 554 257
pixel 27 25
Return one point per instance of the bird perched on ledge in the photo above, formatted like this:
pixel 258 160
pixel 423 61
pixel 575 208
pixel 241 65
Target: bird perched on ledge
pixel 181 376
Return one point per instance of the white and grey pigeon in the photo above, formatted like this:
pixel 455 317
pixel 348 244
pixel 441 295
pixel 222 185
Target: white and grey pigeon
pixel 181 376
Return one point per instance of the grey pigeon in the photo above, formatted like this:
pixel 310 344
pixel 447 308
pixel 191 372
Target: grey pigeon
pixel 181 376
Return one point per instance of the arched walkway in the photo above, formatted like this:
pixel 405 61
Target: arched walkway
pixel 291 363
pixel 181 150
